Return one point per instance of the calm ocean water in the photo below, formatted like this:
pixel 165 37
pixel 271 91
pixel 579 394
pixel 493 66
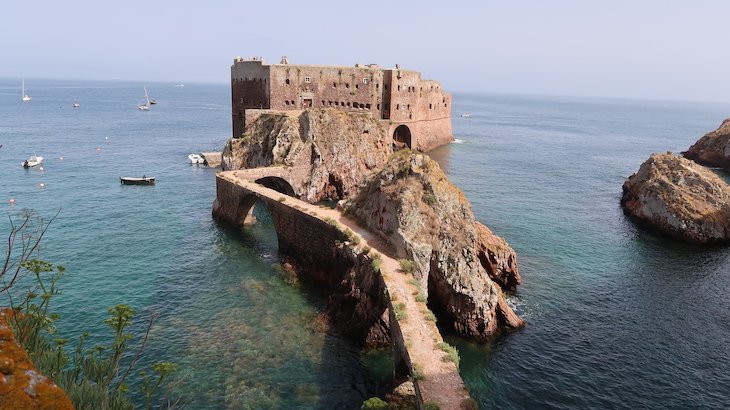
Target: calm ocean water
pixel 616 317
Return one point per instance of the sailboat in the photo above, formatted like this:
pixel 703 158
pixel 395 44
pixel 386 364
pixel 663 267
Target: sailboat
pixel 25 97
pixel 145 106
pixel 153 101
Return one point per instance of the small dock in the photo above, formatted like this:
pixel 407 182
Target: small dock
pixel 212 159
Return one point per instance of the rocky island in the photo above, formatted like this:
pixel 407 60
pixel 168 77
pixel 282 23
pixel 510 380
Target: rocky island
pixel 679 198
pixel 713 149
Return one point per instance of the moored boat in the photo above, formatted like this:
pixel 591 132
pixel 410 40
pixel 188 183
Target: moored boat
pixel 32 161
pixel 196 159
pixel 144 180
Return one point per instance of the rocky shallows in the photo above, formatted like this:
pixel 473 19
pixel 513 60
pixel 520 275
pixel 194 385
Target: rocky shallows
pixel 460 265
pixel 679 198
pixel 713 149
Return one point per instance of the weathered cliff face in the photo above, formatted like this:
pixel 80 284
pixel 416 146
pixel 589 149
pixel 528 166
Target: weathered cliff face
pixel 679 198
pixel 334 150
pixel 427 219
pixel 21 385
pixel 713 149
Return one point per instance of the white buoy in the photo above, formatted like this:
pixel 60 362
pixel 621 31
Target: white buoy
pixel 98 149
pixel 42 185
pixel 40 168
pixel 12 200
pixel 60 158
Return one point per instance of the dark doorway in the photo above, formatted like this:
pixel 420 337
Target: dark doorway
pixel 401 138
pixel 277 184
pixel 307 103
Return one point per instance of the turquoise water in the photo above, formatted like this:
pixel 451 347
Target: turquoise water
pixel 616 317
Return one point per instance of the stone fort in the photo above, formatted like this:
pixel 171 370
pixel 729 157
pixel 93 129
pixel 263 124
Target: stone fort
pixel 416 112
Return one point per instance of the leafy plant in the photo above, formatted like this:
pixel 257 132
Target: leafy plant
pixel 407 265
pixel 451 352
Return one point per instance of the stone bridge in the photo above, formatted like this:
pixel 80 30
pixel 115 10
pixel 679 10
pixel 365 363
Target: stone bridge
pixel 315 236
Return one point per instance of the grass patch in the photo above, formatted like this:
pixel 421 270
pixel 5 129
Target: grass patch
pixel 429 405
pixel 376 264
pixel 417 374
pixel 451 352
pixel 407 265
pixel 282 199
pixel 415 282
pixel 421 297
pixel 429 315
pixel 374 403
pixel 399 310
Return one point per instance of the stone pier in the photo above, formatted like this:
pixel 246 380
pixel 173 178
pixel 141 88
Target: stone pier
pixel 317 236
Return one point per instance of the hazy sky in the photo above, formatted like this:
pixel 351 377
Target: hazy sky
pixel 659 49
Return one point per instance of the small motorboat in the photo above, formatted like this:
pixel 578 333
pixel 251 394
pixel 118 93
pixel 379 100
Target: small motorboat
pixel 196 159
pixel 466 115
pixel 145 180
pixel 32 161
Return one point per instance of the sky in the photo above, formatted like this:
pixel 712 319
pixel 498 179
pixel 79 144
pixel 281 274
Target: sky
pixel 649 49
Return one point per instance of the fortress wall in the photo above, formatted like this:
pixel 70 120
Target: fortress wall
pixel 249 89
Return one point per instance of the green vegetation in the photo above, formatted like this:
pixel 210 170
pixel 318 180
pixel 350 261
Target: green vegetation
pixel 451 352
pixel 417 374
pixel 429 198
pixel 377 263
pixel 95 377
pixel 282 199
pixel 429 405
pixel 399 310
pixel 374 403
pixel 421 297
pixel 429 315
pixel 407 265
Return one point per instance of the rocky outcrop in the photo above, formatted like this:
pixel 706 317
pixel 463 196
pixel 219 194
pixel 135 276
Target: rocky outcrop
pixel 412 204
pixel 21 385
pixel 334 150
pixel 679 198
pixel 713 149
pixel 498 258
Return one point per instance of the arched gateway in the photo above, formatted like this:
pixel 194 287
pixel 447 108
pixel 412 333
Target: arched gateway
pixel 401 137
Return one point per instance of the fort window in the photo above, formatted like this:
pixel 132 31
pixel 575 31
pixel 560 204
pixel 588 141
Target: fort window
pixel 337 103
pixel 287 81
pixel 307 79
pixel 348 103
pixel 408 106
pixel 347 85
pixel 292 102
pixel 378 106
pixel 357 86
pixel 377 86
pixel 334 85
pixel 286 102
pixel 367 106
pixel 322 103
pixel 430 106
pixel 385 87
pixel 364 80
pixel 398 88
pixel 342 103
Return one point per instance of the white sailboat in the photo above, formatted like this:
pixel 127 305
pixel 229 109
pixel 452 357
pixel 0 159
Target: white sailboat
pixel 25 97
pixel 145 106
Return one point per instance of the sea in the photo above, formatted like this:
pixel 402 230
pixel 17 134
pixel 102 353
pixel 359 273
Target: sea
pixel 617 317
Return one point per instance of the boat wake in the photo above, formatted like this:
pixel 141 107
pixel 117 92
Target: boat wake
pixel 457 141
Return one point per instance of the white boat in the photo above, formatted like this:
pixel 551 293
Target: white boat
pixel 76 105
pixel 145 106
pixel 25 97
pixel 32 161
pixel 196 159
pixel 466 115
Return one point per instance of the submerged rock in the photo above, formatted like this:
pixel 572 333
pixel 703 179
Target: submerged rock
pixel 330 151
pixel 412 204
pixel 679 198
pixel 713 149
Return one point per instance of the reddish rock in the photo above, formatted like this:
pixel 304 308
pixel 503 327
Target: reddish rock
pixel 679 198
pixel 412 204
pixel 713 149
pixel 21 386
pixel 498 259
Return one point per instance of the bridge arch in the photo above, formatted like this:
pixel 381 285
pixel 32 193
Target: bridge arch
pixel 277 184
pixel 401 137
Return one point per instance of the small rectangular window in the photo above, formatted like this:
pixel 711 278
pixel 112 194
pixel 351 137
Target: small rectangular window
pixel 364 80
pixel 307 79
